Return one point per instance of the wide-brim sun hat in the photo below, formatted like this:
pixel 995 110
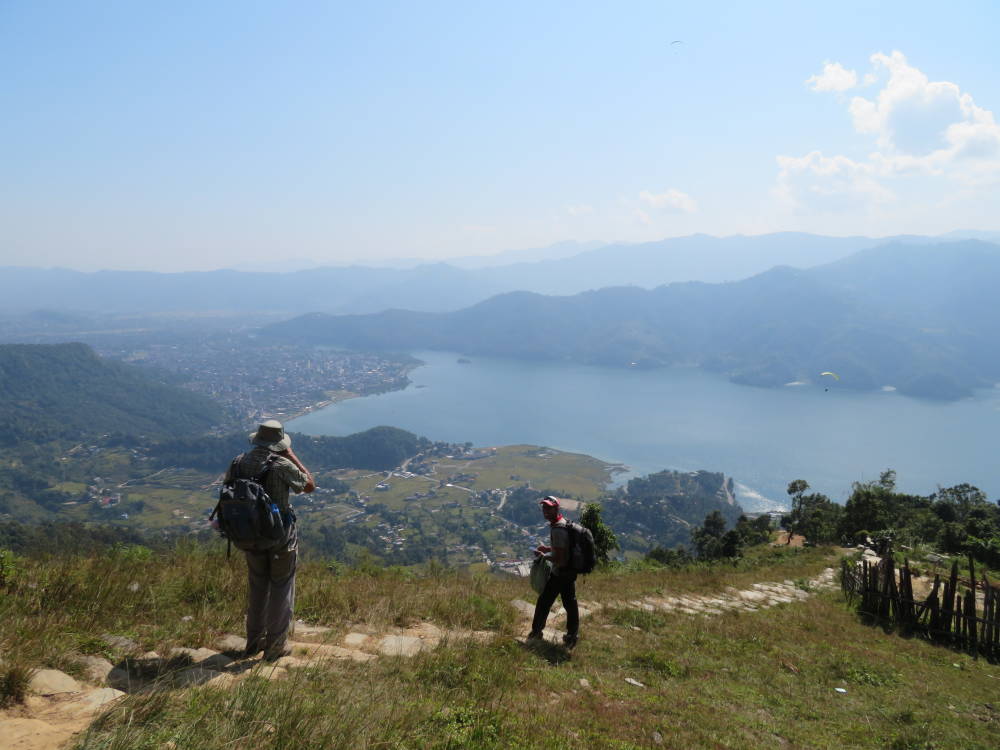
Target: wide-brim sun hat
pixel 271 435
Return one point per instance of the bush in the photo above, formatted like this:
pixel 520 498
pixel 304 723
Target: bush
pixel 8 568
pixel 14 680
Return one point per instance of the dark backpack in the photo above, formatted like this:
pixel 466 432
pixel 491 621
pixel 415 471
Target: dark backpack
pixel 582 553
pixel 248 517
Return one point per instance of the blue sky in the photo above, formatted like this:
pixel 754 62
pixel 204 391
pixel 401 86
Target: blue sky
pixel 175 136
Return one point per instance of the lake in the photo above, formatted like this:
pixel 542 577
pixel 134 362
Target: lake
pixel 687 419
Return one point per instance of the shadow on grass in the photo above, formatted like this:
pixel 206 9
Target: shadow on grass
pixel 145 674
pixel 551 652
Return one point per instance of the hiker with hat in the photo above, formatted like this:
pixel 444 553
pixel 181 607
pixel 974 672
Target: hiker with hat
pixel 562 582
pixel 271 572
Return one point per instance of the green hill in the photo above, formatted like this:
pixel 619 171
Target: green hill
pixel 67 391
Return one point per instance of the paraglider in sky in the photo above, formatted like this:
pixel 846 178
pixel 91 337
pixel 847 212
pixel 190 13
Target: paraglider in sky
pixel 833 375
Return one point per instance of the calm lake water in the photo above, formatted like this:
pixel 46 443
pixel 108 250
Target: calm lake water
pixel 687 419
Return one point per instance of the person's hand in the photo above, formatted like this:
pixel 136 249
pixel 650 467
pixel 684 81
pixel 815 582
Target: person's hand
pixel 310 486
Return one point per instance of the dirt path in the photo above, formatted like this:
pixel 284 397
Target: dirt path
pixel 61 707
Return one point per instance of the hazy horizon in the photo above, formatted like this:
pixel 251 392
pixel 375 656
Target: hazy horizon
pixel 196 137
pixel 292 265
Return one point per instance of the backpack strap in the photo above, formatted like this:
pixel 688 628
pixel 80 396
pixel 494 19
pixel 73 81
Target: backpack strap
pixel 234 467
pixel 268 465
pixel 259 476
pixel 571 533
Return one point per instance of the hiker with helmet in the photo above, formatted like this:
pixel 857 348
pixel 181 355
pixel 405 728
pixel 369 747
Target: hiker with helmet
pixel 271 564
pixel 562 582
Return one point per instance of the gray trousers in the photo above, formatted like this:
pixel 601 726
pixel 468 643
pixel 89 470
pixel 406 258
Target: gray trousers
pixel 271 596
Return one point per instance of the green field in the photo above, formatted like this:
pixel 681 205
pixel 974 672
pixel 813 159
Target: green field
pixel 400 516
pixel 569 474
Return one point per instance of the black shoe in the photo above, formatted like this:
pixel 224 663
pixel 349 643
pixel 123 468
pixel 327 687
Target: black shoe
pixel 569 640
pixel 251 651
pixel 535 635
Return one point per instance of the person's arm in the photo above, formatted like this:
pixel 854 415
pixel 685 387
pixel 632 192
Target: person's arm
pixel 290 455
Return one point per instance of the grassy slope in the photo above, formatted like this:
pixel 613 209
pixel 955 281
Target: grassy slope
pixel 739 680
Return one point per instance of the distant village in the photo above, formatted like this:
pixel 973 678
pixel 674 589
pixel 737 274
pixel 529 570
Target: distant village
pixel 251 379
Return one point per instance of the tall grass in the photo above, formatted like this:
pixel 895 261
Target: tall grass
pixel 59 607
pixel 741 679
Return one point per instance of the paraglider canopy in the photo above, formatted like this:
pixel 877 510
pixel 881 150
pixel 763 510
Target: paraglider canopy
pixel 833 375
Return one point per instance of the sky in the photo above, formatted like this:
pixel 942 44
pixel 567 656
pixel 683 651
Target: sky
pixel 192 135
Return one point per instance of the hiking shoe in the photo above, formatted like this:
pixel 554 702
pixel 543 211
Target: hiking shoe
pixel 273 654
pixel 535 635
pixel 251 651
pixel 569 640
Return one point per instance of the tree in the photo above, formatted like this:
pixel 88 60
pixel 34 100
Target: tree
pixel 604 538
pixel 754 532
pixel 961 500
pixel 818 518
pixel 869 507
pixel 796 488
pixel 671 558
pixel 708 540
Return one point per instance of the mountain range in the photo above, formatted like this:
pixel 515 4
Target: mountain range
pixel 433 287
pixel 917 317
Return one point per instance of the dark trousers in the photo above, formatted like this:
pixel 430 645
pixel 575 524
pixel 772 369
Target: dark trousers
pixel 562 585
pixel 271 596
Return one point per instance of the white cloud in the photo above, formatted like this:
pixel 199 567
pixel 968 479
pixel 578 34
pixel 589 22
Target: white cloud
pixel 923 130
pixel 642 217
pixel 671 200
pixel 833 78
pixel 829 182
pixel 579 210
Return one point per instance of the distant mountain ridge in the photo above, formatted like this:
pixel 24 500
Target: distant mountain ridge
pixel 436 287
pixel 918 317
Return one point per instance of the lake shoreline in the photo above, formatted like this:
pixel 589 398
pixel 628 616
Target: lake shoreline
pixel 684 419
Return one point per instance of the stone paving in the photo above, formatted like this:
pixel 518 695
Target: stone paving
pixel 758 596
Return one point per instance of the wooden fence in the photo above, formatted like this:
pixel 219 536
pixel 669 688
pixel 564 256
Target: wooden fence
pixel 949 615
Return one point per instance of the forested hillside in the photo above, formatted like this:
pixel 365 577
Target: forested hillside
pixel 66 391
pixel 376 449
